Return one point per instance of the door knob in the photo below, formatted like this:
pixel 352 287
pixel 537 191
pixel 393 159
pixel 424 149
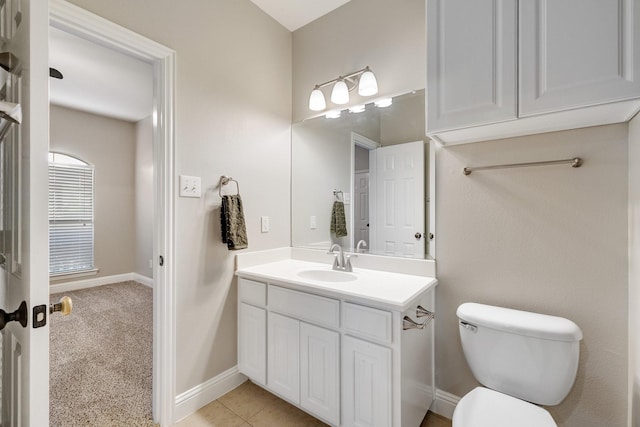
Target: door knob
pixel 417 235
pixel 64 306
pixel 20 315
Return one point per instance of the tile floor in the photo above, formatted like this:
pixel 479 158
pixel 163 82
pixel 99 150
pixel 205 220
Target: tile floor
pixel 250 405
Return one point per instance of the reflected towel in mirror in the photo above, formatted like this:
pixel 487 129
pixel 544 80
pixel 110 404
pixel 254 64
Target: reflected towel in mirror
pixel 338 221
pixel 234 231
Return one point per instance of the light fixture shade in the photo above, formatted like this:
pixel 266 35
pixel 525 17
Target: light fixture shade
pixel 368 85
pixel 357 109
pixel 335 114
pixel 383 103
pixel 340 93
pixel 316 100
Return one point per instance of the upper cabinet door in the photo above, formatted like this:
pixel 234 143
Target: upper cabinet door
pixel 577 53
pixel 471 65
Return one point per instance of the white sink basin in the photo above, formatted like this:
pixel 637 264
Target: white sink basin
pixel 327 275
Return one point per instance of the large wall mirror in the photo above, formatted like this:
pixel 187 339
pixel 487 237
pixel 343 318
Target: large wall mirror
pixel 376 165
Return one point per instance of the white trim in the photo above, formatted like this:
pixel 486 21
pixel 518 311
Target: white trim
pixel 99 281
pixel 64 276
pixel 444 403
pixel 89 283
pixel 147 281
pixel 75 20
pixel 191 400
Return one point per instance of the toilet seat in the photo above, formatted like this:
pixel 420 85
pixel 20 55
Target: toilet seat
pixel 482 407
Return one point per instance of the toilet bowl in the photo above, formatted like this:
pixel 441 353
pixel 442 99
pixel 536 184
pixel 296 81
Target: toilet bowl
pixel 522 359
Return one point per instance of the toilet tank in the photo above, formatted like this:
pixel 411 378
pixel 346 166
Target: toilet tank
pixel 530 356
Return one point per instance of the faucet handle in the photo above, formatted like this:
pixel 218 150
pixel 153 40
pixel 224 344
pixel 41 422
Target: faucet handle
pixel 347 262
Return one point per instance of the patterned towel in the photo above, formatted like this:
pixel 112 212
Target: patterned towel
pixel 234 231
pixel 338 221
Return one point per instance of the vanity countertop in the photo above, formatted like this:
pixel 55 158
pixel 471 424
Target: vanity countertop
pixel 394 291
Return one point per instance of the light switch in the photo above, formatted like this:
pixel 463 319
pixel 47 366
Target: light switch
pixel 264 224
pixel 313 222
pixel 190 186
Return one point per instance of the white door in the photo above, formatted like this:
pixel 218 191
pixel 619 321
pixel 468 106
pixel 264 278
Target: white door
pixel 576 53
pixel 400 200
pixel 366 384
pixel 252 342
pixel 319 372
pixel 283 355
pixel 25 374
pixel 361 207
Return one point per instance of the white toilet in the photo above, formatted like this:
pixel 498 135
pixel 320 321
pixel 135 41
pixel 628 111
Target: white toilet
pixel 520 357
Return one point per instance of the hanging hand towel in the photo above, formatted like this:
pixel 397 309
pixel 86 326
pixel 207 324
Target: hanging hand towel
pixel 234 231
pixel 338 222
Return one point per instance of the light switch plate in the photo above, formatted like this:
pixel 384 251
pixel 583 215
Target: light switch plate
pixel 264 224
pixel 313 222
pixel 190 186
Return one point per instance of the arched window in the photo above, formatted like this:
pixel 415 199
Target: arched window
pixel 70 215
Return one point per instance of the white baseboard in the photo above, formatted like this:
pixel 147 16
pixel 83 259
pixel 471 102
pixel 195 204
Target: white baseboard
pixel 444 404
pixel 99 281
pixel 147 281
pixel 191 400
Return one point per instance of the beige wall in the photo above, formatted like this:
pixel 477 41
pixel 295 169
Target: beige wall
pixel 109 145
pixel 144 196
pixel 634 272
pixel 389 36
pixel 548 239
pixel 233 116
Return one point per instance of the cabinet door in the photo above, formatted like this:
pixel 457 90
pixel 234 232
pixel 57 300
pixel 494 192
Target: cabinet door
pixel 577 53
pixel 283 355
pixel 366 383
pixel 471 63
pixel 252 342
pixel 319 372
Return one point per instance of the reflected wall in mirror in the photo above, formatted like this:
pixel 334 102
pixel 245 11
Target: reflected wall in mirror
pixel 376 165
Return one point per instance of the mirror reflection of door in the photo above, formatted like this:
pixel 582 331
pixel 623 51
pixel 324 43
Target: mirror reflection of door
pixel 361 206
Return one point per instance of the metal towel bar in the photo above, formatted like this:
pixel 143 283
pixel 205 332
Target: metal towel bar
pixel 576 162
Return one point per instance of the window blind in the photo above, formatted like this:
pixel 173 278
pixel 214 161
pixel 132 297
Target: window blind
pixel 70 218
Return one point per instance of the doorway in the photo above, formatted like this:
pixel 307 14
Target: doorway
pixel 78 22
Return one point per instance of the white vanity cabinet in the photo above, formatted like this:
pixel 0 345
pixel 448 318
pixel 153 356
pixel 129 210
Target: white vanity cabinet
pixel 252 330
pixel 343 361
pixel 501 68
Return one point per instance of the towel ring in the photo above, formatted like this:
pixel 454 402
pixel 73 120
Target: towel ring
pixel 224 180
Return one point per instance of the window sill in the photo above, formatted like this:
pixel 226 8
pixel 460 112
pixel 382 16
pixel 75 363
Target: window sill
pixel 84 273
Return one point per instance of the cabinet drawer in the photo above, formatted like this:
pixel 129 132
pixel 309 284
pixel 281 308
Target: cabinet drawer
pixel 304 306
pixel 252 292
pixel 367 322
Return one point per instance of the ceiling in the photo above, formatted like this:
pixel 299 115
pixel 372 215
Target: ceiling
pixel 99 80
pixel 105 82
pixel 293 14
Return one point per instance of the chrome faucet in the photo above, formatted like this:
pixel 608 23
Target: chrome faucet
pixel 340 262
pixel 361 244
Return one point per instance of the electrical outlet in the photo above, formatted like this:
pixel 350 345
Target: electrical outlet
pixel 313 222
pixel 264 224
pixel 190 186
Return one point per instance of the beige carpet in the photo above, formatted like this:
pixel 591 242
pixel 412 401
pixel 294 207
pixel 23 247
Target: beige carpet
pixel 101 358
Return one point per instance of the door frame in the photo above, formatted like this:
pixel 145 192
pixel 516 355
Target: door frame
pixel 371 145
pixel 77 21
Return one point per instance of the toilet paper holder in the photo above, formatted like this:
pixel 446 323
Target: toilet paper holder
pixel 409 323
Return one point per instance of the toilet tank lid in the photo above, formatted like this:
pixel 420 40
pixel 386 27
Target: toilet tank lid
pixel 520 322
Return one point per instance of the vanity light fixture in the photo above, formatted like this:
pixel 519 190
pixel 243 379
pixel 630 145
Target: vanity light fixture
pixel 364 79
pixel 357 109
pixel 383 103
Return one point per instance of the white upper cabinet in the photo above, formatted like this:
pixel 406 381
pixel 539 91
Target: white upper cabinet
pixel 471 62
pixel 576 53
pixel 502 68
